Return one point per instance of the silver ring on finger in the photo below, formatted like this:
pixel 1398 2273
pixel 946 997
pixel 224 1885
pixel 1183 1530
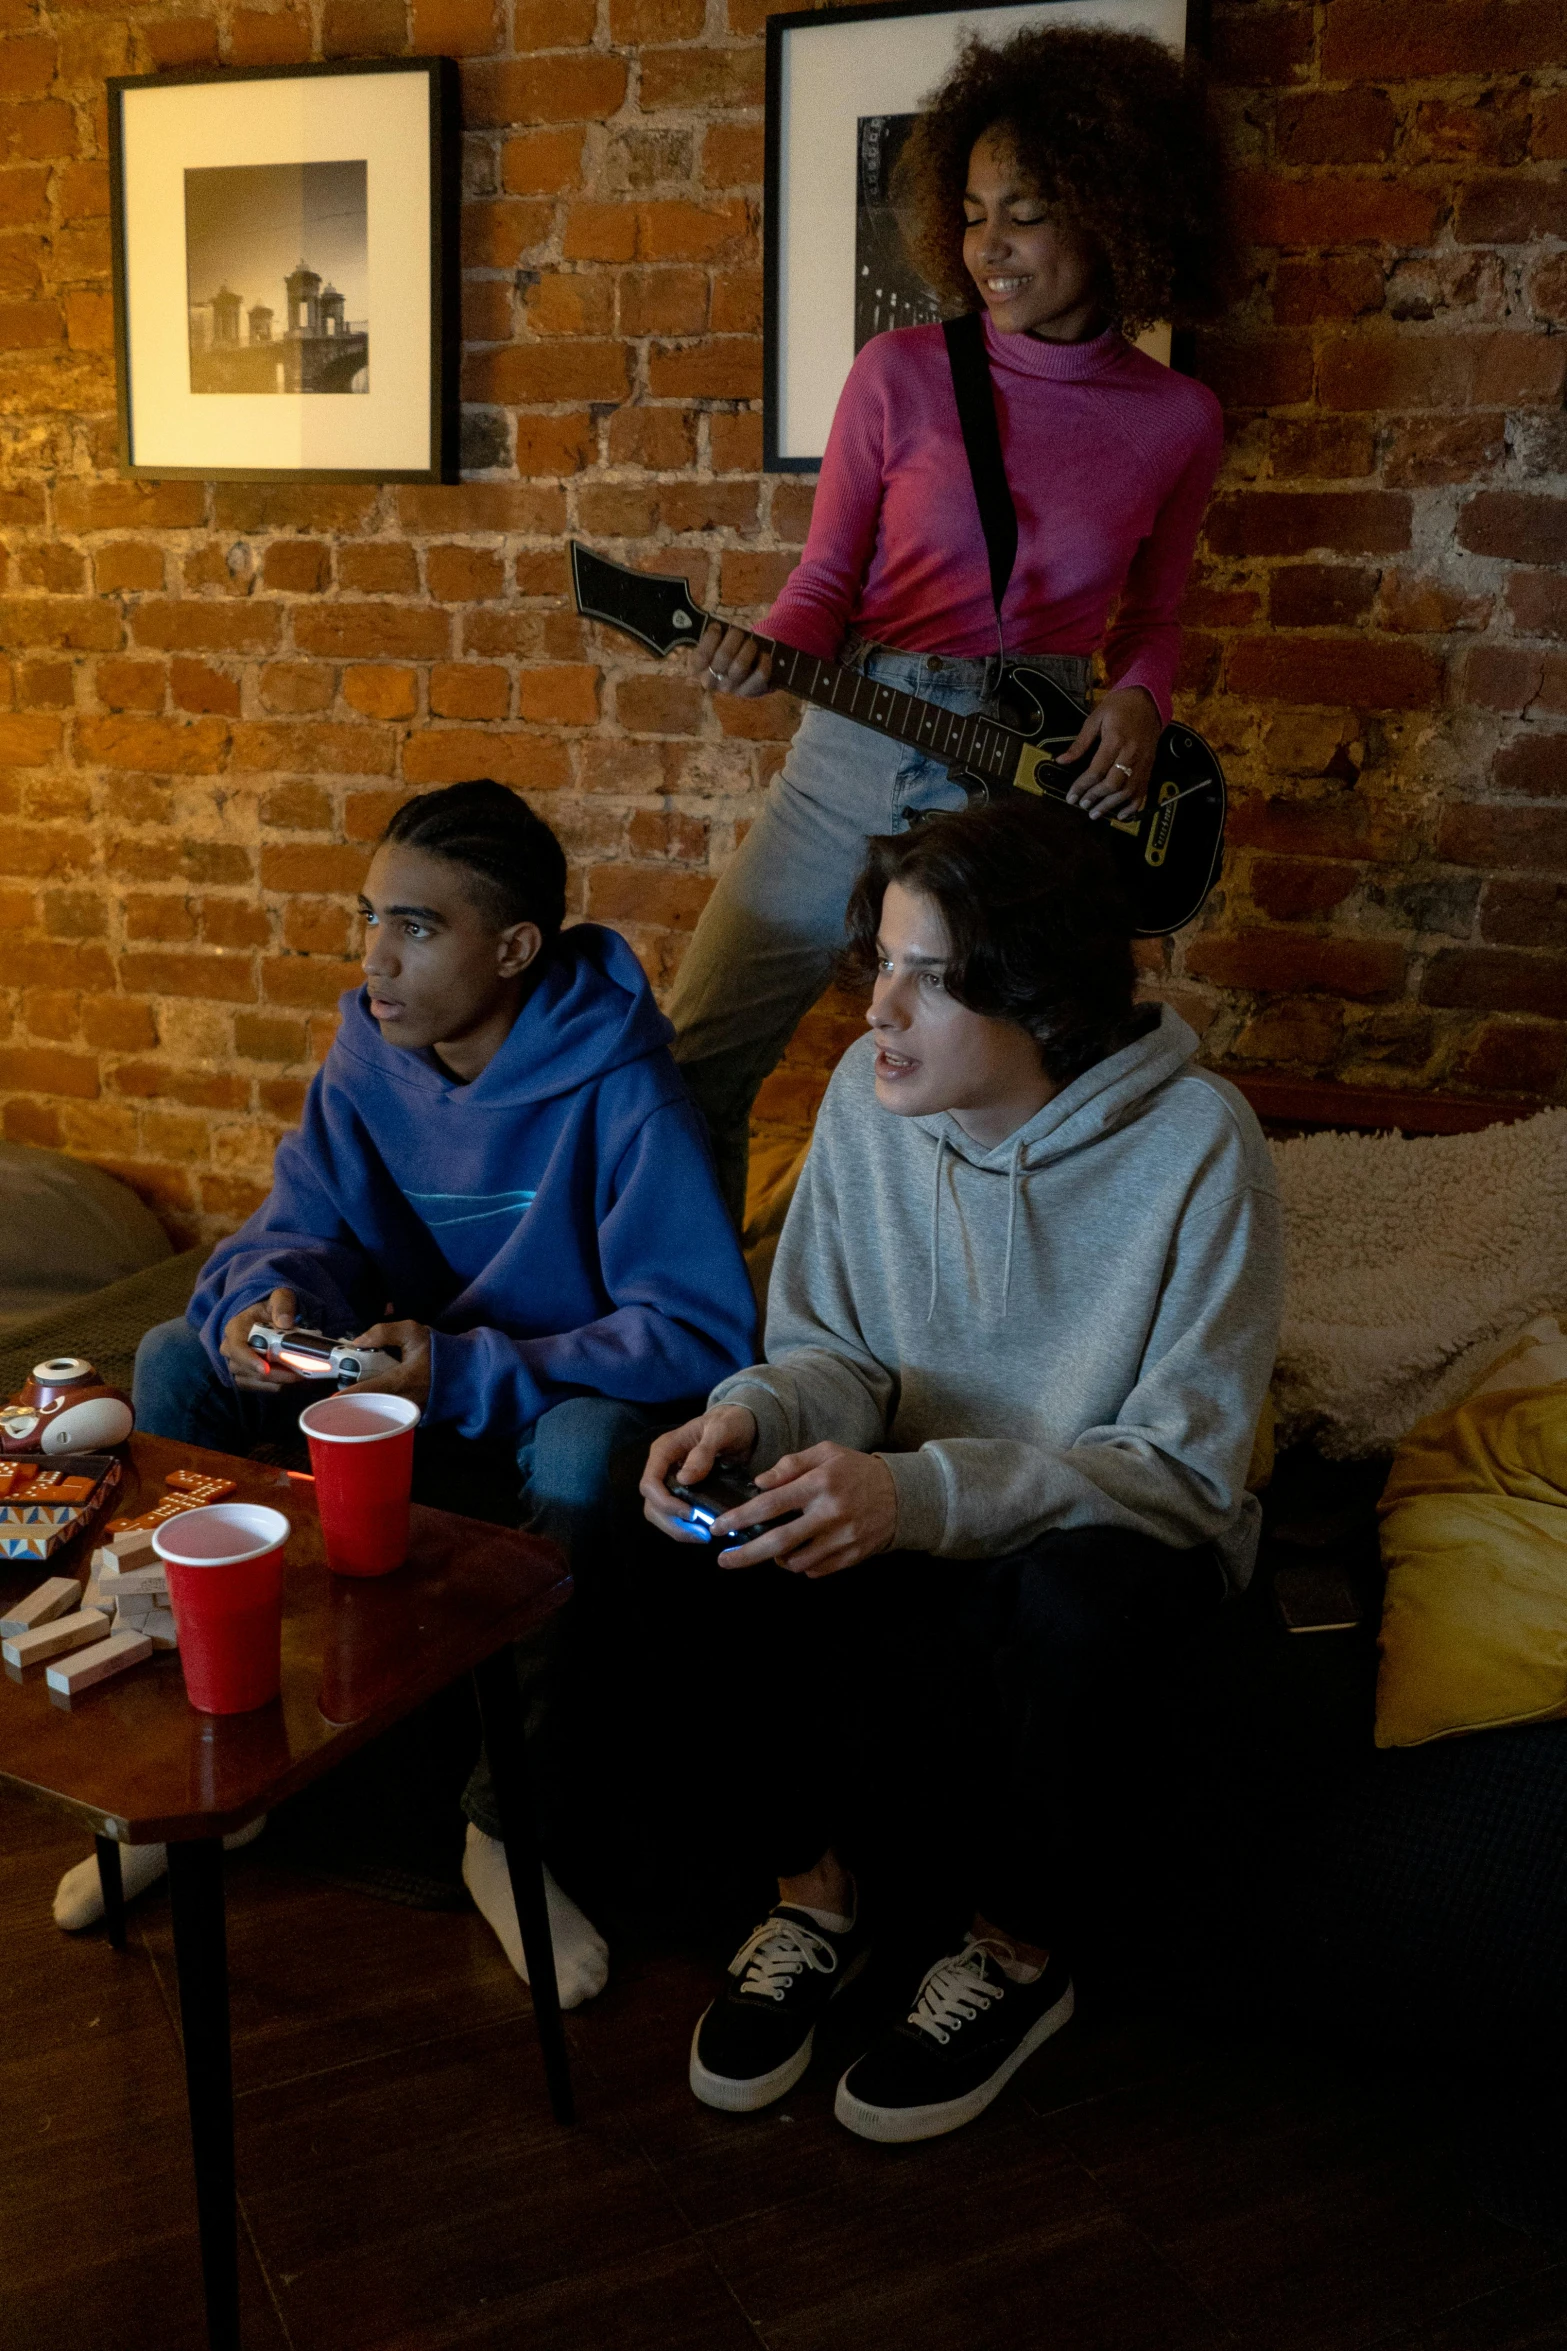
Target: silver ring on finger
pixel 1120 764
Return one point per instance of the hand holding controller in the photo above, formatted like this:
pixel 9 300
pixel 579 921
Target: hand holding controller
pixel 312 1356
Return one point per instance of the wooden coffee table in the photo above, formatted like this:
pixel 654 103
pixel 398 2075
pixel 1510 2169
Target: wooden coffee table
pixel 139 1766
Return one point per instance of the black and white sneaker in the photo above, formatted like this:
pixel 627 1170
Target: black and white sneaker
pixel 754 2042
pixel 969 2030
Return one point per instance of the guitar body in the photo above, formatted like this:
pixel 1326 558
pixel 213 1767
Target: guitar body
pixel 1168 857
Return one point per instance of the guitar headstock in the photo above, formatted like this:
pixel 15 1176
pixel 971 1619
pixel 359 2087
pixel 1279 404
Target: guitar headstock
pixel 654 609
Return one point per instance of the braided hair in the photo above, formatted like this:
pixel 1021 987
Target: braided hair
pixel 519 865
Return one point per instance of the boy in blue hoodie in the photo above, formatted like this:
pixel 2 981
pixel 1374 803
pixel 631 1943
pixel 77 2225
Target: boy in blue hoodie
pixel 500 1174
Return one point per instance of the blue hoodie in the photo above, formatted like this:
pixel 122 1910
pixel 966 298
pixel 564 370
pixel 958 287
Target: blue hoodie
pixel 556 1221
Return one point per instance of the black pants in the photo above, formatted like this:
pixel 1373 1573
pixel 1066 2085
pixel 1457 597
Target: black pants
pixel 986 1722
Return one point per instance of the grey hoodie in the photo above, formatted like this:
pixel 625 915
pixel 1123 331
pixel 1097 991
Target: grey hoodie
pixel 1076 1328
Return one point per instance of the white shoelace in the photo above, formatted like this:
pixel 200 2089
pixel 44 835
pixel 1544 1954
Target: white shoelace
pixel 780 1949
pixel 955 1990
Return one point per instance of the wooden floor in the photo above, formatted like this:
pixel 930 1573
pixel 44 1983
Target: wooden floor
pixel 402 2183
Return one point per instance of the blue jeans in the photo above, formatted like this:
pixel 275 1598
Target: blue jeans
pixel 772 932
pixel 578 1463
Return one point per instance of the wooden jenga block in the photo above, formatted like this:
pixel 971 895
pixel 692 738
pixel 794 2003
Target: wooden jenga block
pixel 61 1595
pixel 161 1629
pixel 96 1664
pixel 129 1540
pixel 57 1639
pixel 134 1581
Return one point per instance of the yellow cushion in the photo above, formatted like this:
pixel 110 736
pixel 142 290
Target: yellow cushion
pixel 1474 1538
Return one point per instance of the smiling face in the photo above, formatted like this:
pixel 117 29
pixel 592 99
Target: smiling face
pixel 1036 271
pixel 440 973
pixel 933 1053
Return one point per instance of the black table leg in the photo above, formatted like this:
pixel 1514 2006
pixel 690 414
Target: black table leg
pixel 113 1890
pixel 201 1960
pixel 500 1711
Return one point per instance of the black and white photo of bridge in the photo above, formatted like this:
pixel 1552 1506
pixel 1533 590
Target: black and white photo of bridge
pixel 276 264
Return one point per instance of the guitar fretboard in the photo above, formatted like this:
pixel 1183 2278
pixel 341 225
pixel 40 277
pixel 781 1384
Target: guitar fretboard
pixel 966 739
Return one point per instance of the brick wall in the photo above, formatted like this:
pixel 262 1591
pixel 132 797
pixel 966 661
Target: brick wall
pixel 211 696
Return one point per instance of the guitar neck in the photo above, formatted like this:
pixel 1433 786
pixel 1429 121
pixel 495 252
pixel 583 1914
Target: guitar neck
pixel 981 746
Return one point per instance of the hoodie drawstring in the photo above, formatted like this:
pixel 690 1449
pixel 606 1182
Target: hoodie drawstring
pixel 1013 1165
pixel 935 1227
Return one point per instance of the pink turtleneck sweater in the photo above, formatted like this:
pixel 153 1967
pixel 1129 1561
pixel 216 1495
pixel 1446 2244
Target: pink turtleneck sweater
pixel 1110 456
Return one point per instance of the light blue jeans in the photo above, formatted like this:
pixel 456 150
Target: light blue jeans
pixel 772 931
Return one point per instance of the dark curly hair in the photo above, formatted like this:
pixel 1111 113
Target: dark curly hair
pixel 515 859
pixel 1109 125
pixel 1040 931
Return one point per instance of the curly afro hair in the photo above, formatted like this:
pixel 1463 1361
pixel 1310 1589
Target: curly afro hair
pixel 1109 125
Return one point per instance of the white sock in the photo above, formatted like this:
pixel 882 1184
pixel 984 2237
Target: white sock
pixel 831 1922
pixel 1021 1971
pixel 581 1953
pixel 78 1898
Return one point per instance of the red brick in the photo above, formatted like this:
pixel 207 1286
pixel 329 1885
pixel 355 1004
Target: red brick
pixel 1526 914
pixel 1496 979
pixel 712 506
pixel 555 444
pixel 297 808
pixel 48 565
pixel 378 567
pixel 39 132
pixel 225 977
pixel 542 163
pixel 273 748
pixel 579 304
pixel 299 567
pixel 1537 601
pixel 268 37
pixel 455 755
pixel 1344 285
pixel 663 301
pixel 29 742
pixel 657 702
pixel 181 40
pixel 382 691
pixel 1274 522
pixel 1548 289
pixel 544 372
pixel 364 28
pixel 469 689
pixel 259 1037
pixel 1331 211
pixel 1549 137
pixel 1257 48
pixel 648 894
pixel 358 631
pixel 81 626
pixel 563 696
pixel 1335 126
pixel 464 575
pixel 701 77
pixel 198 626
pixel 600 232
pixel 128 564
pixel 291 506
pixel 131 685
pixel 161 746
pixel 1502 677
pixel 1289 961
pixel 1516 1057
pixel 129 506
pixel 724 367
pixel 542 572
pixel 1535 764
pixel 552 24
pixel 1511 211
pixel 481 506
pixel 24 198
pixel 28 66
pixel 295 686
pixel 46 685
pixel 52 964
pixel 1428 450
pixel 1328 448
pixel 1320 596
pixel 691 232
pixel 496 236
pixel 194 685
pixel 1468 834
pixel 32 1069
pixel 545 89
pixel 1520 529
pixel 1363 41
pixel 632 22
pixel 313 867
pixel 118 1024
pixel 618 510
pixel 455 28
pixel 307 982
pixel 1353 670
pixel 732 155
pixel 1289 889
pixel 668 834
pixel 30 326
pixel 164 917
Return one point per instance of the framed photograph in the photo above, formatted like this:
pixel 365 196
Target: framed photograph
pixel 843 87
pixel 286 274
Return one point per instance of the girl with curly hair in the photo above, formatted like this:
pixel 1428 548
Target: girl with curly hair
pixel 1066 183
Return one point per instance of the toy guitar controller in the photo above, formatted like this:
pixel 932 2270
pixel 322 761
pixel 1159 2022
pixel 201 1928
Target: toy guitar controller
pixel 316 1357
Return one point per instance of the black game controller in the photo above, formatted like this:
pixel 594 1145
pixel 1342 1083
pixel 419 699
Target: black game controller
pixel 723 1489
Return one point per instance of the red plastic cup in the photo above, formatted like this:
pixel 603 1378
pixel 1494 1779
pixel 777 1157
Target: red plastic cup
pixel 225 1568
pixel 362 1455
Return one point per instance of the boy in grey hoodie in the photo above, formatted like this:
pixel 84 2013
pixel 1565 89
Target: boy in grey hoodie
pixel 1020 1329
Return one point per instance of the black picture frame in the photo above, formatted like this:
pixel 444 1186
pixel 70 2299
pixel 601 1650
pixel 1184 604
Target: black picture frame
pixel 780 29
pixel 444 115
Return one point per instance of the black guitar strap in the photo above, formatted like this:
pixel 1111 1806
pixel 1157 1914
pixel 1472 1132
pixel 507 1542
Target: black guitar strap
pixel 976 400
